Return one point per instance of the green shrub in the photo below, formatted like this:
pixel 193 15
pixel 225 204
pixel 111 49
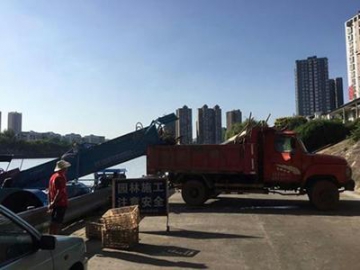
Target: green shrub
pixel 355 133
pixel 319 133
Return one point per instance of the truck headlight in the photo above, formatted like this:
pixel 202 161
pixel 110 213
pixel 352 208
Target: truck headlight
pixel 348 172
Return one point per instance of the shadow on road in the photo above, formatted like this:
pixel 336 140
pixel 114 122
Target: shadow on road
pixel 267 207
pixel 135 255
pixel 157 250
pixel 198 234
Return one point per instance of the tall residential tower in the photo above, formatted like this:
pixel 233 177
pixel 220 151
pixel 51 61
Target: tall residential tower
pixel 15 122
pixel 233 117
pixel 312 90
pixel 352 32
pixel 183 128
pixel 208 127
pixel 336 93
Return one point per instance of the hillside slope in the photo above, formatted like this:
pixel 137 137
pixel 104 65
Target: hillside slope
pixel 351 152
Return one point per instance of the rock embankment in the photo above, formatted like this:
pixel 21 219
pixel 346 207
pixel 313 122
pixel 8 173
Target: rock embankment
pixel 351 152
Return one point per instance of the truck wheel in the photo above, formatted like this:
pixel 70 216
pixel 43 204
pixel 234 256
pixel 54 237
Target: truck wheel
pixel 324 195
pixel 194 193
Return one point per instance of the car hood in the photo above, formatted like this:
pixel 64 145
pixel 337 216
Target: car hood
pixel 329 159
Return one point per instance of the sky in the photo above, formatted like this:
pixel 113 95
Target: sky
pixel 100 66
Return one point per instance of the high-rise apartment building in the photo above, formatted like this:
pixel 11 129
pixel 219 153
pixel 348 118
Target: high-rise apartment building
pixel 15 122
pixel 208 128
pixel 312 91
pixel 232 117
pixel 352 32
pixel 218 126
pixel 336 93
pixel 183 127
pixel 205 126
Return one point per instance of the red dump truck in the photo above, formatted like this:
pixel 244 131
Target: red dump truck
pixel 260 159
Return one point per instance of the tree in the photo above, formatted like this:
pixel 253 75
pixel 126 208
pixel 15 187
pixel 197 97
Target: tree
pixel 236 128
pixel 290 123
pixel 8 135
pixel 239 127
pixel 10 144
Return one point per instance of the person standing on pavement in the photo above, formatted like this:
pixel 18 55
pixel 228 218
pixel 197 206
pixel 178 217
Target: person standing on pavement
pixel 57 196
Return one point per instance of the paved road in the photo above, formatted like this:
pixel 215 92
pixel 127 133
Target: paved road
pixel 242 232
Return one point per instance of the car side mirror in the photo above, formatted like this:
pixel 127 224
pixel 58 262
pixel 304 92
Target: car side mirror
pixel 47 242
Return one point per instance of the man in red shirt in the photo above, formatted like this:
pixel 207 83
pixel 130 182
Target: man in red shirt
pixel 57 196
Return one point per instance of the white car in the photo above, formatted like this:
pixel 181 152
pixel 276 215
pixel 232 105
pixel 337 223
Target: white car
pixel 23 247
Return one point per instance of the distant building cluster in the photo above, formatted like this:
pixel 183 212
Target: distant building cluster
pixel 15 124
pixel 317 94
pixel 209 128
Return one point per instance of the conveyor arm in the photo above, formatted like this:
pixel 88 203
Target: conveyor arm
pixel 85 161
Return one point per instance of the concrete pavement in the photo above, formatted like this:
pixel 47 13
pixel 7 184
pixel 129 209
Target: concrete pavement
pixel 241 232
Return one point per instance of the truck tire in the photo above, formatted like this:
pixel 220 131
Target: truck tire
pixel 194 193
pixel 324 195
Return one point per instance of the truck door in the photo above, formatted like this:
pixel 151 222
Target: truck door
pixel 283 163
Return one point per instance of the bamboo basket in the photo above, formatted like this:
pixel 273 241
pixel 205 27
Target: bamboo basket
pixel 93 229
pixel 120 227
pixel 120 238
pixel 124 217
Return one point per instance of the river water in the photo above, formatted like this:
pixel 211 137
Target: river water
pixel 135 168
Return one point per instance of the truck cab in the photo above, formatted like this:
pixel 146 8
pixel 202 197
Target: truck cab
pixel 288 165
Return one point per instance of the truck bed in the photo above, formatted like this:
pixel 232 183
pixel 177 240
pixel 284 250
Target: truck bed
pixel 230 158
